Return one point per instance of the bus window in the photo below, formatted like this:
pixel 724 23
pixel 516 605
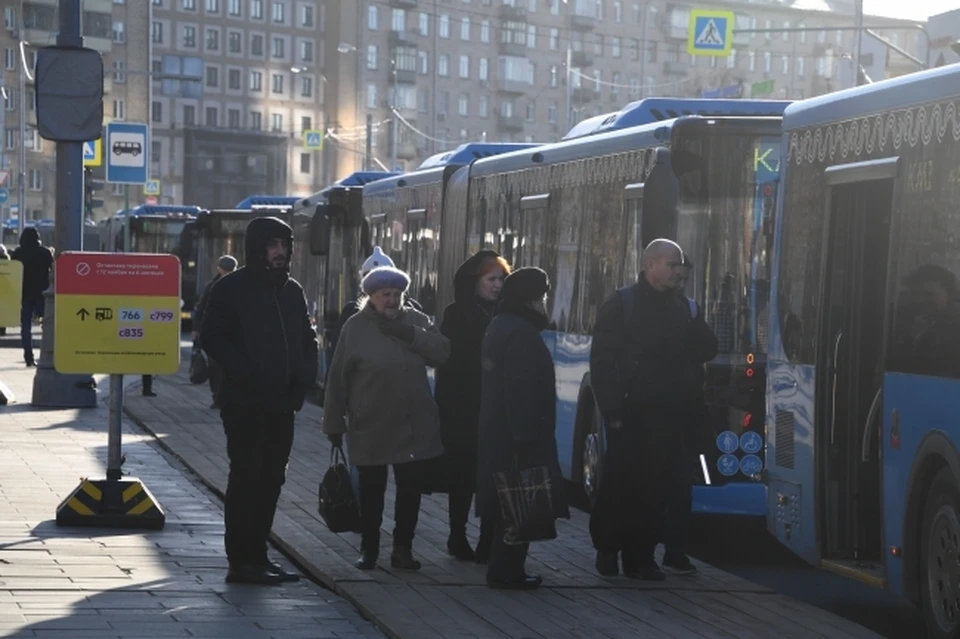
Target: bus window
pixel 630 233
pixel 531 229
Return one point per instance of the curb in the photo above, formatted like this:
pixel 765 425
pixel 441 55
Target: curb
pixel 309 567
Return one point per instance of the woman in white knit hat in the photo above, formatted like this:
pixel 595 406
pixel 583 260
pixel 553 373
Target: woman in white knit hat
pixel 378 394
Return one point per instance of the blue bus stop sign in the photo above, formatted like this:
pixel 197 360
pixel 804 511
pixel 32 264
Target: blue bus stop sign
pixel 4 196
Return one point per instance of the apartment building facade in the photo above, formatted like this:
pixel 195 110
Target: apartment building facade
pixel 117 29
pixel 229 87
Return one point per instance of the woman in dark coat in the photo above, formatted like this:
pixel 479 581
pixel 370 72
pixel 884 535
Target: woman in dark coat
pixel 477 285
pixel 517 414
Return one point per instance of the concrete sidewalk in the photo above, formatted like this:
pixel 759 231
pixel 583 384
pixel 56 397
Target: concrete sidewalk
pixel 448 598
pixel 78 583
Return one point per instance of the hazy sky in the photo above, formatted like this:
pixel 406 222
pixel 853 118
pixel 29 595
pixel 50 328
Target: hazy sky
pixel 917 9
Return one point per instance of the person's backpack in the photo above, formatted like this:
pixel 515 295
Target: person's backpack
pixel 628 299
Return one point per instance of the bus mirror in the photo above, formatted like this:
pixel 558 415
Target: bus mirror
pixel 320 232
pixel 660 196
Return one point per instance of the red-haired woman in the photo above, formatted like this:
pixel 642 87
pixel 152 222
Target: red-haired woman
pixel 477 284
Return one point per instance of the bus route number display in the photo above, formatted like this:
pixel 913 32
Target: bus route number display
pixel 117 313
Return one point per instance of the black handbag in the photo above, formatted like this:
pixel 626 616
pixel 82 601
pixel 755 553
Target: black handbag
pixel 199 372
pixel 526 504
pixel 338 506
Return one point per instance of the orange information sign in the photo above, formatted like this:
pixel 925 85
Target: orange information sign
pixel 117 313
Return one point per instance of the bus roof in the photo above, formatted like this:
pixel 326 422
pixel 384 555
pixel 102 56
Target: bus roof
pixel 589 146
pixel 267 200
pixel 387 185
pixel 887 95
pixel 659 109
pixel 163 210
pixel 590 125
pixel 466 153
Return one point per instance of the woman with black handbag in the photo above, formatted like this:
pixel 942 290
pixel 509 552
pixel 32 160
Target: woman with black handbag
pixel 517 423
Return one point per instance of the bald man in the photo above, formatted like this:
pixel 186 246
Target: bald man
pixel 646 370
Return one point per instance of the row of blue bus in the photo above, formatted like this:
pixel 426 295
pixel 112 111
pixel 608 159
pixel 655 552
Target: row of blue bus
pixel 824 236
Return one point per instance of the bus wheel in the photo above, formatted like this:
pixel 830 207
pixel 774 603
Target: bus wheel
pixel 593 459
pixel 940 557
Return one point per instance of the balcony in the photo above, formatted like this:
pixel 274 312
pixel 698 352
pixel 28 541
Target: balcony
pixel 581 59
pixel 513 49
pixel 103 45
pixel 98 6
pixel 509 123
pixel 404 4
pixel 400 39
pixel 583 22
pixel 512 13
pixel 675 67
pixel 515 87
pixel 583 94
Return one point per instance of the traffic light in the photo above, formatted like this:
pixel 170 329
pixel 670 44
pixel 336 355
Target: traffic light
pixel 90 186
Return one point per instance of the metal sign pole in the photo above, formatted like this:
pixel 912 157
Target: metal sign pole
pixel 114 458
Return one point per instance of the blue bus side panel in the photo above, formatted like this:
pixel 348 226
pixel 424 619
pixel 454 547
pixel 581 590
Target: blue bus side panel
pixel 791 444
pixel 924 404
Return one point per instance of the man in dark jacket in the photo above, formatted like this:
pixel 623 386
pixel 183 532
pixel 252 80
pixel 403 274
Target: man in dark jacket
pixel 37 260
pixel 257 328
pixel 226 264
pixel 646 371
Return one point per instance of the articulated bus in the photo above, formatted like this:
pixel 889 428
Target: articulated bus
pixel 863 387
pixel 583 210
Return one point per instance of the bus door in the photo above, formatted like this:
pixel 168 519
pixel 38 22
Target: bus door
pixel 850 367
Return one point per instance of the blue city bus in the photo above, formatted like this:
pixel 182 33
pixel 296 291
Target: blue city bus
pixel 583 209
pixel 404 214
pixel 863 387
pixel 660 109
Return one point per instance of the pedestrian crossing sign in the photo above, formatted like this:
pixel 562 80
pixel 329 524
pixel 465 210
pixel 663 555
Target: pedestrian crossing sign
pixel 92 155
pixel 710 32
pixel 313 139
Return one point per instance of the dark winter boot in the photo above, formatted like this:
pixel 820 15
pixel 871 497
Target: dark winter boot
pixel 607 564
pixel 459 547
pixel 148 386
pixel 484 544
pixel 402 559
pixel 367 559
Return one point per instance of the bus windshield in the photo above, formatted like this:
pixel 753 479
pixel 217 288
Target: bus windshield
pixel 156 236
pixel 728 185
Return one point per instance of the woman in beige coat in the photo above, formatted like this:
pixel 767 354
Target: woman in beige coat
pixel 378 394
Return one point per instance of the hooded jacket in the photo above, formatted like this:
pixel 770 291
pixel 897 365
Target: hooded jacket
pixel 37 260
pixel 457 388
pixel 257 328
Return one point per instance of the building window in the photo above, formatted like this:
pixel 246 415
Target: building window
pixel 279 50
pixel 305 163
pixel 155 152
pixel 424 25
pixel 306 51
pixel 306 87
pixel 373 18
pixel 256 9
pixel 277 12
pixel 233 118
pixel 10 59
pixel 276 123
pixel 235 42
pixel 234 9
pixel 277 84
pixel 463 105
pixel 483 106
pixel 256 81
pixel 189 5
pixel 190 37
pixel 423 62
pixel 213 119
pixel 36 180
pixel 256 120
pixel 119 33
pixel 213 6
pixel 484 69
pixel 464 66
pixel 444 27
pixel 398 20
pixel 443 65
pixel 306 16
pixel 119 71
pixel 485 31
pixel 213 40
pixel 371 96
pixel 306 123
pixel 256 45
pixel 10 139
pixel 213 77
pixel 156 32
pixel 118 110
pixel 465 29
pixel 156 112
pixel 189 115
pixel 233 80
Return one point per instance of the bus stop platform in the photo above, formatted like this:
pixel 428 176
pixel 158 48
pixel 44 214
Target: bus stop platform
pixel 79 583
pixel 449 598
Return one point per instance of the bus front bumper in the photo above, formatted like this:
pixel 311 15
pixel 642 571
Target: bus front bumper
pixel 736 498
